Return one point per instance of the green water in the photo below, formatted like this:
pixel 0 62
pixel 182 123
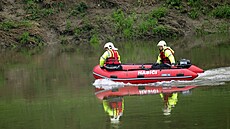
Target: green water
pixel 205 107
pixel 52 88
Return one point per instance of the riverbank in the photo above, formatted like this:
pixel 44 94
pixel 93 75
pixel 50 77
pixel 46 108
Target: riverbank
pixel 31 23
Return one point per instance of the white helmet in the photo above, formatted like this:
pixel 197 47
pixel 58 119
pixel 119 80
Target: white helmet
pixel 161 43
pixel 115 119
pixel 110 46
pixel 167 111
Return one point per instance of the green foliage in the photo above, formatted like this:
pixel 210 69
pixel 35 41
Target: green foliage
pixel 118 17
pixel 221 12
pixel 85 31
pixel 68 25
pixel 60 5
pixel 25 37
pixel 31 1
pixel 147 25
pixel 80 8
pixel 223 28
pixel 150 26
pixel 195 3
pixel 77 31
pixel 86 28
pixel 7 25
pixel 159 12
pixel 161 30
pixel 36 12
pixel 63 40
pixel 94 40
pixel 143 27
pixel 30 40
pixel 174 3
pixel 123 24
pixel 193 14
pixel 197 7
pixel 201 31
pixel 128 33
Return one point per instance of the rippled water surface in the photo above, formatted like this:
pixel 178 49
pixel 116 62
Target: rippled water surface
pixel 53 87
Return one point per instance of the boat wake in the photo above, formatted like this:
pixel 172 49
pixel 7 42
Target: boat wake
pixel 218 76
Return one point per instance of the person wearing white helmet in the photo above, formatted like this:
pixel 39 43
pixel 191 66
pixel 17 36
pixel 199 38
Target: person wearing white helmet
pixel 166 55
pixel 111 58
pixel 114 106
pixel 170 101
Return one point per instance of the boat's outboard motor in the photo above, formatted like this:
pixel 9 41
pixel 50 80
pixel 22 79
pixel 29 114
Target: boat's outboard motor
pixel 184 63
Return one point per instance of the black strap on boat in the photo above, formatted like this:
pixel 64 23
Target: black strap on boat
pixel 184 66
pixel 152 68
pixel 140 76
pixel 138 64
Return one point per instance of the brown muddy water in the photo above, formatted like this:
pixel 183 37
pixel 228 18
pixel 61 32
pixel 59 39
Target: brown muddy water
pixel 53 88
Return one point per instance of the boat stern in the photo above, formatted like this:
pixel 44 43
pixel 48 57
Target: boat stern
pixel 195 69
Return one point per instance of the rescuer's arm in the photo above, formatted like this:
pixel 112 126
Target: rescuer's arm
pixel 159 59
pixel 119 58
pixel 169 54
pixel 103 58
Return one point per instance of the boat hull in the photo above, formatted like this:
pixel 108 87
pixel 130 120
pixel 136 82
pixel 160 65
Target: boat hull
pixel 139 90
pixel 136 74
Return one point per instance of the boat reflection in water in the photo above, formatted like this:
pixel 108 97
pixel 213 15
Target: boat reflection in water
pixel 113 98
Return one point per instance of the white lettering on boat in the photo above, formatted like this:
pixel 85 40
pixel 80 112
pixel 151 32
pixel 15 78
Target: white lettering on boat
pixel 165 75
pixel 144 92
pixel 147 72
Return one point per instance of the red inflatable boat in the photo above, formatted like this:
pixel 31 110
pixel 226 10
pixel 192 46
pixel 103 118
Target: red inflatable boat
pixel 143 73
pixel 139 90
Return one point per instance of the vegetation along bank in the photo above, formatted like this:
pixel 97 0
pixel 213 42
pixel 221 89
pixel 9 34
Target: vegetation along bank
pixel 31 23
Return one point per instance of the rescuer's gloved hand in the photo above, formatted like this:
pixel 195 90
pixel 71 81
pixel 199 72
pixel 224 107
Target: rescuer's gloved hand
pixel 155 64
pixel 102 67
pixel 173 65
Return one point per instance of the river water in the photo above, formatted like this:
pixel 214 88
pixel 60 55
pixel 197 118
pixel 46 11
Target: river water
pixel 53 87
